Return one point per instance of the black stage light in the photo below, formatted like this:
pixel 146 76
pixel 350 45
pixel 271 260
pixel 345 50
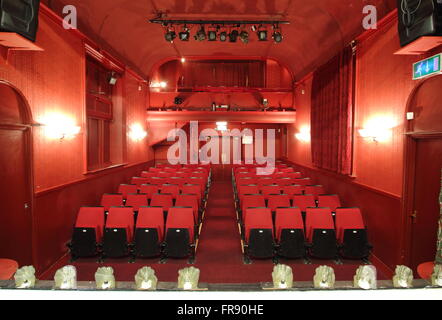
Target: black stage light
pixel 185 36
pixel 223 36
pixel 170 36
pixel 212 35
pixel 233 36
pixel 277 37
pixel 262 35
pixel 244 36
pixel 201 34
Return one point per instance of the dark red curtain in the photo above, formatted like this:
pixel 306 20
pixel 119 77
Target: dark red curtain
pixel 332 114
pixel 218 73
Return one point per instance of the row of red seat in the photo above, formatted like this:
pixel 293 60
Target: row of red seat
pixel 121 235
pixel 257 201
pixel 145 220
pixel 274 201
pixel 320 236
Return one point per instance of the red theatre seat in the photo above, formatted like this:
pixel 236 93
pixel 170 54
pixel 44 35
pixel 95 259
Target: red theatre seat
pixel 304 201
pixel 162 200
pixel 149 232
pixel 259 234
pixel 137 200
pixel 352 233
pixel 139 181
pixel 118 234
pixel 315 190
pixel 252 201
pixel 126 189
pixel 289 227
pixel 331 201
pixel 271 189
pixel 180 233
pixel 88 232
pixel 320 232
pixel 292 190
pixel 192 189
pixel 189 200
pixel 149 190
pixel 111 200
pixel 278 201
pixel 172 189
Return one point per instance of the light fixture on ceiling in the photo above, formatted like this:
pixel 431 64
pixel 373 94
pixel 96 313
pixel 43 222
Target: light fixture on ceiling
pixel 262 34
pixel 212 34
pixel 223 36
pixel 201 34
pixel 183 60
pixel 170 35
pixel 233 36
pixel 185 34
pixel 277 35
pixel 113 79
pixel 244 36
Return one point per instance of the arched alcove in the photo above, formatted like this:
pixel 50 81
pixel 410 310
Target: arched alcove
pixel 15 176
pixel 423 164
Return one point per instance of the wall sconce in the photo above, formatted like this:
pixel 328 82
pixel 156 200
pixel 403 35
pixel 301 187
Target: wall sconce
pixel 378 129
pixel 137 133
pixel 57 126
pixel 304 135
pixel 158 85
pixel 221 126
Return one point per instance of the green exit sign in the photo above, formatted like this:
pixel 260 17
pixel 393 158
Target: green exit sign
pixel 427 67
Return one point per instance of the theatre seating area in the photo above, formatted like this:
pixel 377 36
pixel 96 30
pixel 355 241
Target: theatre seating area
pixel 159 214
pixel 283 215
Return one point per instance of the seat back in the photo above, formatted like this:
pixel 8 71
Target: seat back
pixel 151 217
pixel 292 190
pixel 111 200
pixel 270 189
pixel 288 218
pixel 315 190
pixel 331 201
pixel 125 189
pixel 248 189
pixel 304 201
pixel 252 201
pixel 260 218
pixel 192 189
pixel 302 182
pixel 278 201
pixel 317 219
pixel 137 200
pixel 162 200
pixel 149 190
pixel 121 218
pixel 139 181
pixel 93 218
pixel 189 200
pixel 181 218
pixel 255 211
pixel 348 219
pixel 172 189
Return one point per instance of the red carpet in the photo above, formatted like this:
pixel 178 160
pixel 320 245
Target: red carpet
pixel 219 255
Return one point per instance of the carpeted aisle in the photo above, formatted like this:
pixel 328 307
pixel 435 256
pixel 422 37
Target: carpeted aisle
pixel 219 255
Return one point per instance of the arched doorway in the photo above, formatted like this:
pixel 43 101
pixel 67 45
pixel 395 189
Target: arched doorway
pixel 15 176
pixel 423 172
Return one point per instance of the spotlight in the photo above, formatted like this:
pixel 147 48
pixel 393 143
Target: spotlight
pixel 170 36
pixel 212 35
pixel 262 35
pixel 201 34
pixel 277 37
pixel 223 36
pixel 185 35
pixel 254 28
pixel 233 36
pixel 244 36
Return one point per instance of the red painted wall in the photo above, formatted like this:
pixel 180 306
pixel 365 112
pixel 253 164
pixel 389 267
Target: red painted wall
pixel 384 84
pixel 53 82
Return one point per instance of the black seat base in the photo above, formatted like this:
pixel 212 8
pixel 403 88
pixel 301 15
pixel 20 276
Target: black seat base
pixel 84 243
pixel 260 244
pixel 292 244
pixel 324 244
pixel 355 244
pixel 115 243
pixel 147 243
pixel 177 243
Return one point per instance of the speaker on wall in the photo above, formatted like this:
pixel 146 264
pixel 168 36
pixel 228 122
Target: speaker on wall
pixel 20 16
pixel 419 18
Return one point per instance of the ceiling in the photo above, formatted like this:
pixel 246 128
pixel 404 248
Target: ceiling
pixel 317 30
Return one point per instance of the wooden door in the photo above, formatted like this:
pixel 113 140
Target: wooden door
pixel 425 215
pixel 15 179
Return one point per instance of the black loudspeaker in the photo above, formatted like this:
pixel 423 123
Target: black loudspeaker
pixel 419 18
pixel 179 101
pixel 20 16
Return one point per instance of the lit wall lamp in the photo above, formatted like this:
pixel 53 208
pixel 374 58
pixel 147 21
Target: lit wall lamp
pixel 221 126
pixel 137 133
pixel 58 126
pixel 304 135
pixel 158 85
pixel 378 129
